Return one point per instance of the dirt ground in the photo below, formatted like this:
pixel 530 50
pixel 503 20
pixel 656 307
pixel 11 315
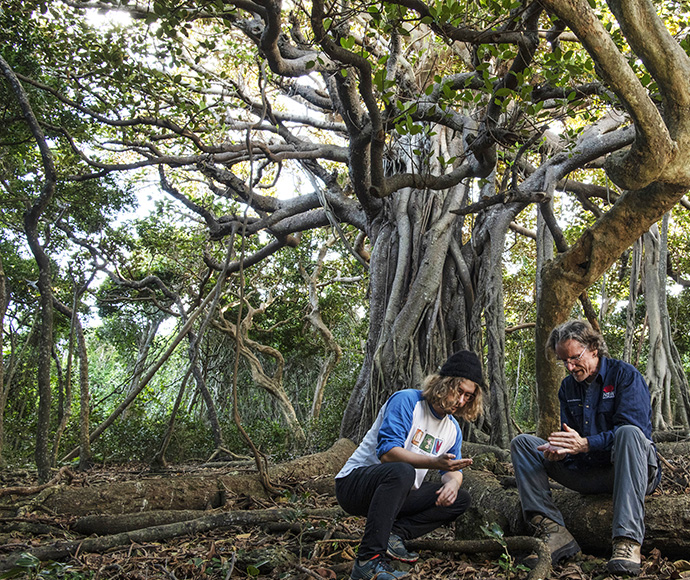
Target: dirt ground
pixel 300 549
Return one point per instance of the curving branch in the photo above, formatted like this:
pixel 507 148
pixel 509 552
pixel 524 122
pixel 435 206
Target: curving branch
pixel 366 90
pixel 654 146
pixel 656 47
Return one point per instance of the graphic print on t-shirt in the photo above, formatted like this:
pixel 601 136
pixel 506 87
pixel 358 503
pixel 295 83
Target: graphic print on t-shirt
pixel 417 437
pixel 428 443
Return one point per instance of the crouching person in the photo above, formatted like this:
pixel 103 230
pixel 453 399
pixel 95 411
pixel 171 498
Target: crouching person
pixel 384 478
pixel 604 446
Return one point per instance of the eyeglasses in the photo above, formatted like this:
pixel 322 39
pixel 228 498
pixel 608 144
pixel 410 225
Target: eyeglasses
pixel 573 359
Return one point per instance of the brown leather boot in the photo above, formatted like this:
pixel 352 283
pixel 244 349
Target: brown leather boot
pixel 559 540
pixel 626 557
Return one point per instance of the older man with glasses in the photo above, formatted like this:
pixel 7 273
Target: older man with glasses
pixel 605 446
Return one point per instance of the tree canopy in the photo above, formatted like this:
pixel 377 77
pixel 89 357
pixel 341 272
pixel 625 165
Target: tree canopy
pixel 445 170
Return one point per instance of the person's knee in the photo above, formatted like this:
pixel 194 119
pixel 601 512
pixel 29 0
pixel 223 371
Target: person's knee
pixel 517 442
pixel 464 497
pixel 628 433
pixel 404 473
pixel 523 442
pixel 630 441
pixel 462 503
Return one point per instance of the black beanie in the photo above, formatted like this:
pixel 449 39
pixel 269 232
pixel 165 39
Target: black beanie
pixel 465 364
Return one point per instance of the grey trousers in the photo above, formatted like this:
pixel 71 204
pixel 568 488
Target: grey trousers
pixel 631 475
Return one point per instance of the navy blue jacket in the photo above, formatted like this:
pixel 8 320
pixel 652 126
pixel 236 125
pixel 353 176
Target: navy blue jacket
pixel 618 396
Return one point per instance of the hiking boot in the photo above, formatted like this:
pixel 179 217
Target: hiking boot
pixel 378 568
pixel 397 550
pixel 625 558
pixel 559 540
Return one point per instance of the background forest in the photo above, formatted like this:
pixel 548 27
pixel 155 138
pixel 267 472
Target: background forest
pixel 237 224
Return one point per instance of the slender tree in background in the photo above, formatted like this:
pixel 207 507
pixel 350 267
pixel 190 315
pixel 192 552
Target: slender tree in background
pixel 333 350
pixel 31 223
pixel 4 301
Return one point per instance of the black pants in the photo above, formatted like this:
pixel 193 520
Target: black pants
pixel 383 493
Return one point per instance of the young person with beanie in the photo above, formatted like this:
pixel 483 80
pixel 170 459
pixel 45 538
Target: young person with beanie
pixel 384 478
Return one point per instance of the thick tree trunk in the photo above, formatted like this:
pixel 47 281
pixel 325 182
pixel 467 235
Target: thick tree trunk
pixel 547 402
pixel 658 374
pixel 429 292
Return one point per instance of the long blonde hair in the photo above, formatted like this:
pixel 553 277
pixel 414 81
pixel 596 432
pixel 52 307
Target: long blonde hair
pixel 436 388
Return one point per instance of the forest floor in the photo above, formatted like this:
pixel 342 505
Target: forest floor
pixel 280 551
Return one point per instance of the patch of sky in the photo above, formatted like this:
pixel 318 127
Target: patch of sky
pixel 512 268
pixel 113 18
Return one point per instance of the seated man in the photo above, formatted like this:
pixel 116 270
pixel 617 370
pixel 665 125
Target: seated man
pixel 605 446
pixel 384 478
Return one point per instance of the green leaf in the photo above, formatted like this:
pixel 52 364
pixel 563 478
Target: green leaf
pixel 347 42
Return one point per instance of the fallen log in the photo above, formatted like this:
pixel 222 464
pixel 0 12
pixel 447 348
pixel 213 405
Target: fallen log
pixel 64 549
pixel 191 492
pixel 588 517
pixel 103 525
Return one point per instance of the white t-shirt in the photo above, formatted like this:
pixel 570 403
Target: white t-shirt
pixel 406 420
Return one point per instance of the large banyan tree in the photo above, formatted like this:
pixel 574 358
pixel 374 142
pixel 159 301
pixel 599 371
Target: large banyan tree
pixel 419 131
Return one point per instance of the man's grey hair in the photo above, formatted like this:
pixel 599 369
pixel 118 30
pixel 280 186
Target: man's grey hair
pixel 580 331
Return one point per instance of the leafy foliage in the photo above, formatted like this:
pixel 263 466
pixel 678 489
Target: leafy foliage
pixel 257 133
